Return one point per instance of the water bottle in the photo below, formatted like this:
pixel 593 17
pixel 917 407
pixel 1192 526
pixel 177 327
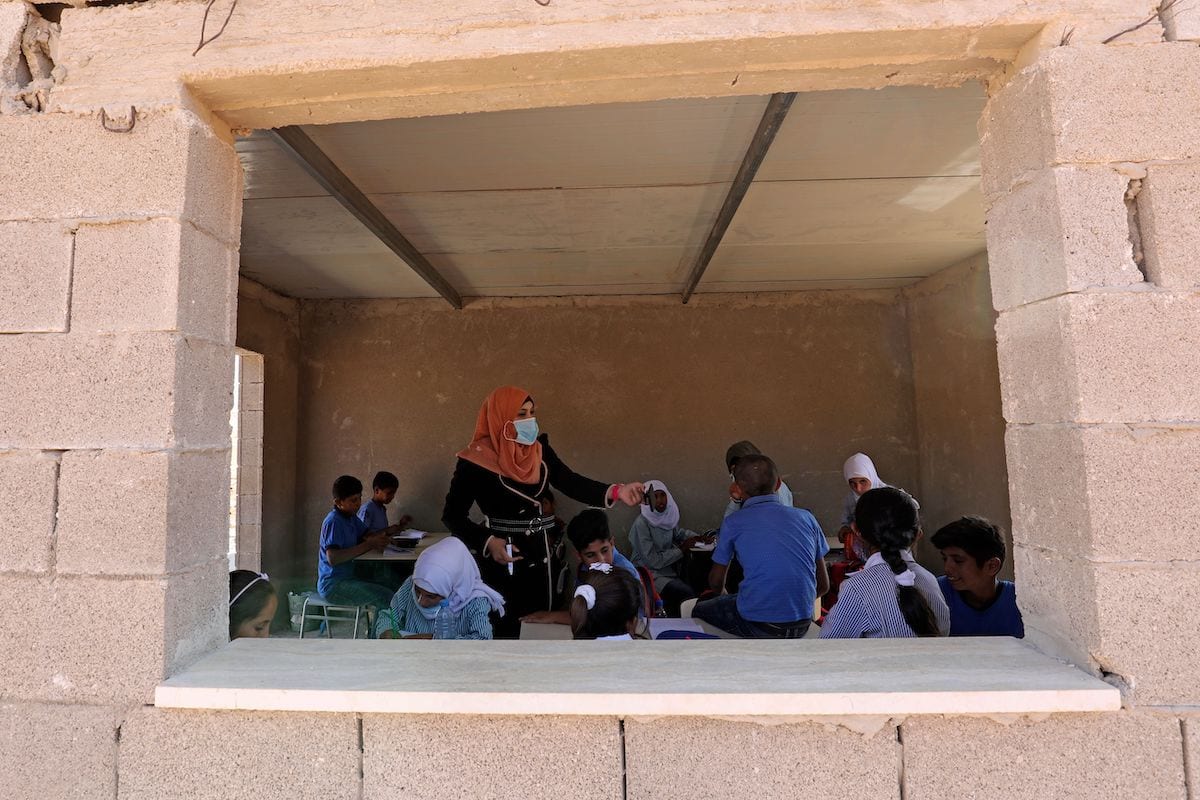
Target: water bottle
pixel 444 623
pixel 659 610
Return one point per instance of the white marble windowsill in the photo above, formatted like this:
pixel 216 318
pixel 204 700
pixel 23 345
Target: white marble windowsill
pixel 712 678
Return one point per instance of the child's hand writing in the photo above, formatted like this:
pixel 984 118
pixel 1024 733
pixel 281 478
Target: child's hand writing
pixel 378 540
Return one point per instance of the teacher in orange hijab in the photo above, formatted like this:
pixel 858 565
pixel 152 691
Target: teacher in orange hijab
pixel 506 470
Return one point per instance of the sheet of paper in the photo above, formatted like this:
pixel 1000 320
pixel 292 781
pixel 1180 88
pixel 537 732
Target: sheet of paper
pixel 411 533
pixel 658 625
pixel 391 549
pixel 701 547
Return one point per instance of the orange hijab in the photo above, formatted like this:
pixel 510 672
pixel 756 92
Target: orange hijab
pixel 494 445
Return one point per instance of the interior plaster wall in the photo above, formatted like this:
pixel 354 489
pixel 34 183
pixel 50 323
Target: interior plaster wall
pixel 269 324
pixel 627 388
pixel 960 427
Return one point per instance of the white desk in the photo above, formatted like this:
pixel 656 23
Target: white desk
pixel 404 555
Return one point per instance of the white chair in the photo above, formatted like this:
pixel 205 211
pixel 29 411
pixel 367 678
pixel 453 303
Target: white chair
pixel 685 608
pixel 329 612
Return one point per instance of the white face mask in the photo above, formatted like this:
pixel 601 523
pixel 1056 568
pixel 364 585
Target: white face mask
pixel 431 612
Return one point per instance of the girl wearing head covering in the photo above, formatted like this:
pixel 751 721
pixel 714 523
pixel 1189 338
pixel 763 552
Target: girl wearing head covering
pixel 659 545
pixel 859 472
pixel 445 580
pixel 892 596
pixel 507 465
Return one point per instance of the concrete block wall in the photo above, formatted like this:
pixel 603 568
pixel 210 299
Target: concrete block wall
pixel 197 755
pixel 1092 235
pixel 117 283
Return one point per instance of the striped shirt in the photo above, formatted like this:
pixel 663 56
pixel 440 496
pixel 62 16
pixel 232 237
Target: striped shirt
pixel 404 616
pixel 867 606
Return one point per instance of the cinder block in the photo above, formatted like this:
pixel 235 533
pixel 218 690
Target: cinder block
pixel 1064 230
pixel 252 396
pixel 99 640
pixel 250 424
pixel 31 477
pixel 805 759
pixel 169 754
pixel 1191 744
pixel 58 752
pixel 153 275
pixel 125 512
pixel 57 166
pixel 1149 631
pixel 35 276
pixel 1169 215
pixel 145 390
pixel 1092 103
pixel 576 757
pixel 1102 357
pixel 1109 493
pixel 1057 598
pixel 1064 756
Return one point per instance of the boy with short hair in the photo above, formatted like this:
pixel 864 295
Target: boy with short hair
pixel 374 511
pixel 980 605
pixel 344 537
pixel 593 541
pixel 782 551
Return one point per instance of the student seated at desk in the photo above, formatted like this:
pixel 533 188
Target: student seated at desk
pixel 892 596
pixel 445 580
pixel 861 476
pixel 593 541
pixel 980 605
pixel 606 604
pixel 659 544
pixel 782 551
pixel 344 538
pixel 374 512
pixel 736 452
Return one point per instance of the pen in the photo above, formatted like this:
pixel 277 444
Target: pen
pixel 508 551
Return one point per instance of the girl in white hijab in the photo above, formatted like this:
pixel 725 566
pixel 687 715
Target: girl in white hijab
pixel 658 544
pixel 859 472
pixel 445 580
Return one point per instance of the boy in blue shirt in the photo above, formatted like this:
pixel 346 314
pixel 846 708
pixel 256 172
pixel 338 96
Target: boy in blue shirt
pixel 374 511
pixel 781 549
pixel 972 554
pixel 344 537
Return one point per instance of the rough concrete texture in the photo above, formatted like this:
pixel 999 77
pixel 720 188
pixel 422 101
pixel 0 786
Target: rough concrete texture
pixel 219 755
pixel 1101 357
pixel 105 640
pixel 1149 630
pixel 35 276
pixel 752 759
pixel 1169 219
pixel 627 389
pixel 169 165
pixel 1106 493
pixel 596 51
pixel 123 512
pixel 1057 597
pixel 1063 230
pixel 576 757
pixel 956 381
pixel 28 479
pixel 269 324
pixel 13 73
pixel 58 752
pixel 1191 745
pixel 143 390
pixel 1050 114
pixel 153 275
pixel 1065 756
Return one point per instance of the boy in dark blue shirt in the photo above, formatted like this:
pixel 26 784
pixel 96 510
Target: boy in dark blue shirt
pixel 344 537
pixel 980 605
pixel 781 549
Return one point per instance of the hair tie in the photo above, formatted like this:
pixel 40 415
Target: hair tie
pixel 262 576
pixel 588 593
pixel 906 578
pixel 601 566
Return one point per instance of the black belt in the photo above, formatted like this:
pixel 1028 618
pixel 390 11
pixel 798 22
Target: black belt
pixel 522 527
pixel 785 630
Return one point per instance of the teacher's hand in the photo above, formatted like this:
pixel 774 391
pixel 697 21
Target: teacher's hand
pixel 632 493
pixel 496 549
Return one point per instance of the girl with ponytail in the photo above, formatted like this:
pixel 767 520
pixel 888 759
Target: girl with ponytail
pixel 892 596
pixel 606 603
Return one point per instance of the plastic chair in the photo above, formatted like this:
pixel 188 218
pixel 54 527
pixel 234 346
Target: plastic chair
pixel 325 609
